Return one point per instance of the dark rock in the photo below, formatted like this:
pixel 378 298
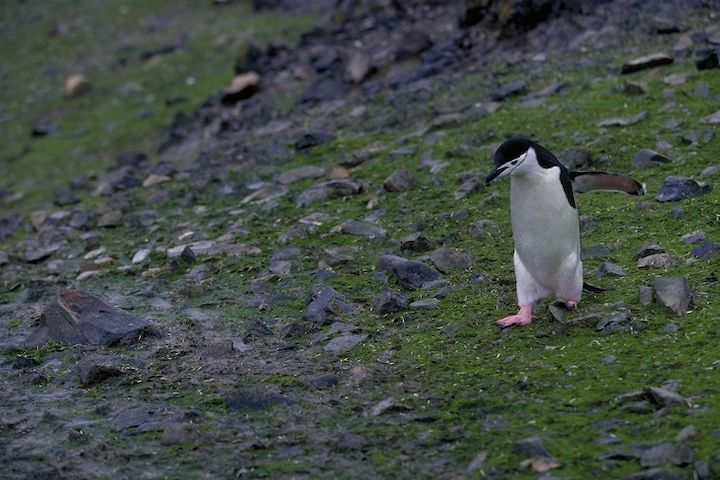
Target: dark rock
pixel 4 258
pixel 480 228
pixel 707 251
pixel 425 304
pixel 254 399
pixel 296 174
pixel 616 323
pixel 257 329
pixel 649 249
pixel 648 61
pixel 324 89
pixel 448 259
pixel 113 218
pixel 664 397
pixel 613 269
pixel 472 181
pixel 656 474
pixel 63 198
pixel 634 88
pixel 574 158
pixel 645 295
pixel 399 181
pixel 293 330
pixel 510 89
pixel 42 128
pixel 78 317
pixel 409 273
pixel 707 59
pixel 389 301
pixel 415 242
pixel 414 43
pixel 333 188
pixel 344 343
pixel 243 86
pixel 630 452
pixel 673 292
pixel 324 304
pixel 98 368
pixel 37 255
pixel 312 139
pixel 143 418
pixel 80 220
pixel 324 381
pixel 351 441
pixel 657 260
pixel 648 158
pixel 531 447
pixel 371 231
pixel 622 121
pixel 679 454
pixel 671 328
pixel 387 406
pixel 333 256
pixel 696 138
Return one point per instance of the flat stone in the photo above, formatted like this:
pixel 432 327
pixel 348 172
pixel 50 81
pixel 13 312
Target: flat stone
pixel 389 301
pixel 334 256
pixel 664 397
pixel 574 158
pixel 694 237
pixel 4 258
pixel 154 179
pixel 613 269
pixel 143 418
pixel 81 318
pixel 400 180
pixel 507 90
pixel 332 188
pixel 675 79
pixel 387 406
pixel 296 174
pixel 673 292
pixel 324 304
pixel 98 368
pixel 645 295
pixel 415 242
pixel 649 249
pixel 112 218
pixel 616 323
pixel 409 273
pixel 141 256
pixel 257 330
pixel 667 453
pixel 634 88
pixel 199 249
pixel 686 433
pixel 657 260
pixel 472 182
pixel 242 86
pixel 656 474
pixel 448 259
pixel 706 251
pixel 679 188
pixel 254 399
pixel 532 447
pixel 371 231
pixel 697 138
pixel 648 61
pixel 622 121
pixel 40 254
pixel 313 139
pixel 425 304
pixel 344 343
pixel 648 158
pixel 710 171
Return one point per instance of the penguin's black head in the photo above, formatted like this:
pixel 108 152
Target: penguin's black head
pixel 508 156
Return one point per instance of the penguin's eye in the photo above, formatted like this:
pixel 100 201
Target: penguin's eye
pixel 513 162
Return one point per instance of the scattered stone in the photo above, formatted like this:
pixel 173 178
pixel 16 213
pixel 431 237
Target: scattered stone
pixel 176 433
pixel 696 138
pixel 344 343
pixel 616 323
pixel 254 399
pixel 326 380
pixel 400 180
pixel 656 474
pixel 409 273
pixel 713 119
pixel 425 304
pixel 609 268
pixel 634 88
pixel 371 231
pixel 665 453
pixel 313 139
pixel 540 464
pixel 4 258
pixel 401 152
pixel 40 254
pixel 472 182
pixel 532 446
pixel 673 292
pixel 477 462
pixel 256 330
pixel 386 406
pixel 200 248
pixel 709 171
pixel 448 259
pixel 707 59
pixel 141 256
pixel 294 175
pixel 324 304
pixel 707 251
pixel 664 397
pixel 357 67
pixel 154 179
pixel 574 158
pixel 416 242
pixel 686 433
pixel 645 295
pixel 333 188
pixel 649 249
pixel 675 79
pixel 333 256
pixel 648 61
pixel 701 470
pixel 242 86
pixel 507 90
pixel 622 121
pixel 113 218
pixel 143 418
pixel 671 328
pixel 79 317
pixel 648 158
pixel 389 301
pixel 351 441
pixel 76 85
pixel 657 260
pixel 98 368
pixel 480 228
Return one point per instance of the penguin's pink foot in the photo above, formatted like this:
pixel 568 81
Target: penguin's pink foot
pixel 523 317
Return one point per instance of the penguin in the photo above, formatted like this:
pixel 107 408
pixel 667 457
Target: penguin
pixel 545 222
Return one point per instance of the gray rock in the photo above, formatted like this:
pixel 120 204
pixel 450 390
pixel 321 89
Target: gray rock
pixel 448 259
pixel 326 380
pixel 480 228
pixel 656 474
pixel 4 258
pixel 285 253
pixel 706 251
pixel 645 295
pixel 574 158
pixel 371 231
pixel 389 301
pixel 324 304
pixel 79 317
pixel 679 188
pixel 477 462
pixel 312 139
pixel 630 452
pixel 710 171
pixel 333 256
pixel 415 242
pixel 622 121
pixel 702 470
pixel 333 188
pixel 686 433
pixel 648 158
pixel 97 368
pixel 40 254
pixel 510 89
pixel 386 406
pixel 351 441
pixel 113 218
pixel 616 323
pixel 664 397
pixel 531 447
pixel 667 453
pixel 648 61
pixel 706 59
pixel 281 267
pixel 673 292
pixel 472 182
pixel 613 269
pixel 256 330
pixel 671 328
pixel 176 433
pixel 402 152
pixel 694 237
pixel 634 88
pixel 409 273
pixel 357 66
pixel 649 249
pixel 254 399
pixel 657 260
pixel 296 174
pixel 697 138
pixel 144 418
pixel 400 180
pixel 344 343
pixel 425 304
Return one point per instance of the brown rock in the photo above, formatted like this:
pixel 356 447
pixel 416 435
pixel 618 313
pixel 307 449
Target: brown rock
pixel 76 85
pixel 242 86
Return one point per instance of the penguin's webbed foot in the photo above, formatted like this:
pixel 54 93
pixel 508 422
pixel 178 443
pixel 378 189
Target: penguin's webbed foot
pixel 523 317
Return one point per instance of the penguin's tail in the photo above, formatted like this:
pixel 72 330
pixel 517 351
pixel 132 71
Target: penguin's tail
pixel 592 289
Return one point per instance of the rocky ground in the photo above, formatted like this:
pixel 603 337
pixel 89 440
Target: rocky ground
pixel 252 240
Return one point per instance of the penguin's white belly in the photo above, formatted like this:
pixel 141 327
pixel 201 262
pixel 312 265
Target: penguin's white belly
pixel 546 231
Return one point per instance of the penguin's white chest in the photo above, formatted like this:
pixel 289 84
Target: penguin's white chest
pixel 545 226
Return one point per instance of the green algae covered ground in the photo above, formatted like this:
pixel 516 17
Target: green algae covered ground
pixel 461 386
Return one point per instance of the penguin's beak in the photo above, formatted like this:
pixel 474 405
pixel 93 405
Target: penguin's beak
pixel 494 173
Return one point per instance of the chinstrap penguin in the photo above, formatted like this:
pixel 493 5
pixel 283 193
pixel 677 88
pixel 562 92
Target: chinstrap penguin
pixel 545 222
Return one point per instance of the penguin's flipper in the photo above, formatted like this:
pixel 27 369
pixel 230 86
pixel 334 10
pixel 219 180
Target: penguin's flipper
pixel 583 182
pixel 592 289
